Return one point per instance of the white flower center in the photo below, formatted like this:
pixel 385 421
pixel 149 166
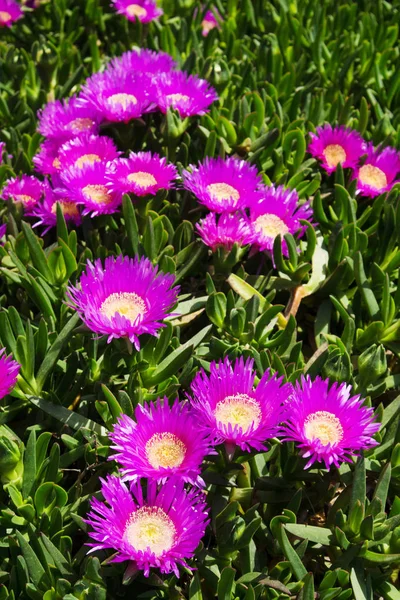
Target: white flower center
pixel 135 10
pixel 334 154
pixel 223 191
pixel 175 98
pixel 81 124
pixel 97 193
pixel 165 450
pixel 373 176
pixel 240 409
pixel 67 208
pixel 24 198
pixel 270 226
pixel 127 304
pixel 87 159
pixel 121 99
pixel 4 16
pixel 142 178
pixel 150 528
pixel 323 426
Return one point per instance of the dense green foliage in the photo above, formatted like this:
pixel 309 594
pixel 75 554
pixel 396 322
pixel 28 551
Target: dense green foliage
pixel 281 68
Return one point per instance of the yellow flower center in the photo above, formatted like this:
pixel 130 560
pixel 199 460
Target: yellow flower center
pixel 24 198
pixel 334 154
pixel 127 304
pixel 68 208
pixel 175 98
pixel 135 10
pixel 97 193
pixel 323 426
pixel 373 176
pixel 223 191
pixel 87 159
pixel 270 225
pixel 142 178
pixel 150 528
pixel 57 163
pixel 165 450
pixel 241 410
pixel 81 124
pixel 4 16
pixel 121 99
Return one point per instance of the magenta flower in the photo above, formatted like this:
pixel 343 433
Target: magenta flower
pixel 337 145
pixel 46 211
pixel 144 61
pixel 161 530
pixel 46 161
pixel 328 424
pixel 209 22
pixel 229 408
pixel 164 442
pixel 25 190
pixel 143 10
pixel 89 186
pixel 223 185
pixel 86 150
pixel 62 120
pixel 142 173
pixel 10 11
pixel 3 231
pixel 2 148
pixel 126 298
pixel 277 213
pixel 377 174
pixel 188 94
pixel 224 231
pixel 9 369
pixel 118 96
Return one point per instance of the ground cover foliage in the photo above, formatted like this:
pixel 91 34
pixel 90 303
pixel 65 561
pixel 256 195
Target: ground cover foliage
pixel 330 308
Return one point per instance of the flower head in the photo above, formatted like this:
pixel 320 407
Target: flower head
pixel 86 150
pixel 46 161
pixel 188 94
pixel 143 10
pixel 337 145
pixel 9 369
pixel 25 190
pixel 126 298
pixel 142 173
pixel 46 211
pixel 377 174
pixel 10 11
pixel 164 442
pixel 118 96
pixel 328 424
pixel 223 185
pixel 225 230
pixel 62 120
pixel 161 529
pixel 278 212
pixel 210 22
pixel 229 408
pixel 144 61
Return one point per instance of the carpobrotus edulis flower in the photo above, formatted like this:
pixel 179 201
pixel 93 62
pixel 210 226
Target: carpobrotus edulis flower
pixel 25 190
pixel 210 22
pixel 125 298
pixel 160 529
pixel 327 423
pixel 337 145
pixel 277 213
pixel 46 211
pixel 164 442
pixel 9 369
pixel 86 150
pixel 62 120
pixel 142 173
pixel 232 411
pixel 377 175
pixel 225 230
pixel 188 94
pixel 223 185
pixel 144 61
pixel 144 10
pixel 10 11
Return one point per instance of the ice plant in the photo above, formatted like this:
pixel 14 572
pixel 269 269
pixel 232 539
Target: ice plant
pixel 164 442
pixel 223 185
pixel 46 161
pixel 2 148
pixel 232 411
pixel 10 11
pixel 125 298
pixel 3 231
pixel 277 213
pixel 142 173
pixel 9 369
pixel 25 190
pixel 46 211
pixel 61 120
pixel 188 94
pixel 143 10
pixel 143 60
pixel 377 175
pixel 86 150
pixel 209 22
pixel 328 424
pixel 160 529
pixel 225 230
pixel 337 145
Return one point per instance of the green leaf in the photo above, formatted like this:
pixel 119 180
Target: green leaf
pixel 296 564
pixel 195 588
pixel 29 465
pixel 130 224
pixel 226 584
pixel 38 257
pixel 67 417
pixel 319 535
pixel 36 571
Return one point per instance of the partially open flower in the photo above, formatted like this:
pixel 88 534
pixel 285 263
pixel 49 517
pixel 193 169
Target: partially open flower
pixel 377 175
pixel 10 11
pixel 209 22
pixel 225 230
